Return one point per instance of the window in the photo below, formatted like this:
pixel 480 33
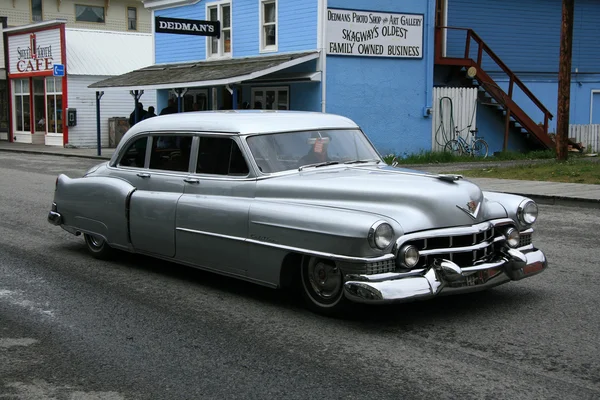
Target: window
pixel 54 104
pixel 270 98
pixel 39 105
pixel 22 108
pixel 220 156
pixel 89 13
pixel 135 154
pixel 268 25
pixel 171 153
pixel 220 47
pixel 36 10
pixel 195 100
pixel 132 18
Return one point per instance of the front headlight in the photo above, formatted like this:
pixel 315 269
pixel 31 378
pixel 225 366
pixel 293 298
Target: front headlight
pixel 381 235
pixel 409 256
pixel 527 212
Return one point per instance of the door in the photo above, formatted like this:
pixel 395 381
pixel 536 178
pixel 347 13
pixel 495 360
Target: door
pixel 212 214
pixel 595 114
pixel 159 179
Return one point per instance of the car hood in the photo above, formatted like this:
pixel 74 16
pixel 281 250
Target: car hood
pixel 414 199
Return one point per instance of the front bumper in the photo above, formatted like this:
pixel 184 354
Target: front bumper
pixel 443 277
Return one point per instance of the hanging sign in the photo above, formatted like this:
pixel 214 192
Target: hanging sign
pixel 34 52
pixel 187 26
pixel 374 34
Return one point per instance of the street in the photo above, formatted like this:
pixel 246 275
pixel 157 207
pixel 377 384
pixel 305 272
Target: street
pixel 72 327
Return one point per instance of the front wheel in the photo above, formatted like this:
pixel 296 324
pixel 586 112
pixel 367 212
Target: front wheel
pixel 480 148
pixel 323 286
pixel 453 147
pixel 98 247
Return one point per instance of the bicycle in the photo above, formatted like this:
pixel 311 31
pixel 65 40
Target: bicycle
pixel 459 146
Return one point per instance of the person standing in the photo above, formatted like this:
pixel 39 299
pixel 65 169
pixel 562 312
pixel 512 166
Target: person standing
pixel 140 116
pixel 150 113
pixel 170 109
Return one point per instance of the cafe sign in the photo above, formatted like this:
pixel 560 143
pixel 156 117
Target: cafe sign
pixel 34 52
pixel 374 34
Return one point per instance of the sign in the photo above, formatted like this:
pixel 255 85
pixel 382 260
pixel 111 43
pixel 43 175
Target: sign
pixel 374 34
pixel 34 52
pixel 59 70
pixel 187 26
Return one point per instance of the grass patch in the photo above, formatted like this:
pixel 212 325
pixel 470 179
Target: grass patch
pixel 572 171
pixel 430 157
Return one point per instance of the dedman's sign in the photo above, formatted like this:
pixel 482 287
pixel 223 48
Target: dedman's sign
pixel 187 26
pixel 374 34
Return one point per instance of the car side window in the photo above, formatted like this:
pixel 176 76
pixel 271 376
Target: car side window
pixel 135 154
pixel 220 156
pixel 171 152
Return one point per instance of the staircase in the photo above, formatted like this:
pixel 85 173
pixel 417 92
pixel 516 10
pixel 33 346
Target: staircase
pixel 476 52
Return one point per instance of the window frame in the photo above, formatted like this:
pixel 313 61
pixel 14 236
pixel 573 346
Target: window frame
pixel 18 96
pixel 41 11
pixel 221 40
pixel 90 5
pixel 276 89
pixel 52 94
pixel 263 47
pixel 134 8
pixel 239 143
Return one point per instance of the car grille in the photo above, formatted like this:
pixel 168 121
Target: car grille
pixel 469 246
pixel 525 239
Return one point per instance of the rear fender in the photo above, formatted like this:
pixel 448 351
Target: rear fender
pixel 96 205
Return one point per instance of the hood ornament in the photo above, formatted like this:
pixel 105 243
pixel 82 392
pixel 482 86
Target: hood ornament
pixel 472 208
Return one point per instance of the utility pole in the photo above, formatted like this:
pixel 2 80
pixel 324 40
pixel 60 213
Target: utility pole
pixel 564 80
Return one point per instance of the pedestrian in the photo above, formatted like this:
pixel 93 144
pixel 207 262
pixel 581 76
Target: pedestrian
pixel 140 116
pixel 170 109
pixel 150 113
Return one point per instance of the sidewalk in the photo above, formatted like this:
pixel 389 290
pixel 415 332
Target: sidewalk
pixel 542 192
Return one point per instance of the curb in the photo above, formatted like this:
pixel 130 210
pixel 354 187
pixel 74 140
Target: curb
pixel 50 153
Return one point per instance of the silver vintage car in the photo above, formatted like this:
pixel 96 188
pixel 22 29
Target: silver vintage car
pixel 296 199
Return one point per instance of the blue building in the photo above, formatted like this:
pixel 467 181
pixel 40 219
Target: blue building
pixel 378 62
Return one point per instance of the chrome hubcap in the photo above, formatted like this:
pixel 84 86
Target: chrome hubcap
pixel 325 280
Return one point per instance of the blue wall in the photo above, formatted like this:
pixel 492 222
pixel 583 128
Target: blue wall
pixel 596 108
pixel 385 96
pixel 297 24
pixel 525 34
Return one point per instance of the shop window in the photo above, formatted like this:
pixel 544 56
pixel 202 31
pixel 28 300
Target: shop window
pixel 195 100
pixel 220 156
pixel 36 11
pixel 54 105
pixel 135 155
pixel 132 18
pixel 220 47
pixel 89 13
pixel 22 105
pixel 277 98
pixel 268 25
pixel 171 153
pixel 39 105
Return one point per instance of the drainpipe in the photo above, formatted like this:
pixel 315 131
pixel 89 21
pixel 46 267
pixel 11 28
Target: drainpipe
pixel 98 140
pixel 428 41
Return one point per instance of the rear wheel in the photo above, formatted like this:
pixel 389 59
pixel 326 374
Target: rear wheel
pixel 323 286
pixel 98 247
pixel 480 148
pixel 453 147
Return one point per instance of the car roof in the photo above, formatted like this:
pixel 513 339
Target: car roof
pixel 242 122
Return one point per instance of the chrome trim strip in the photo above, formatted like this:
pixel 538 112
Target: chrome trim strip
pixel 528 231
pixel 465 249
pixel 330 256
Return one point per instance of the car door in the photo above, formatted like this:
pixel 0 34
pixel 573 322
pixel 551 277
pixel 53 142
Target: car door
pixel 212 214
pixel 152 208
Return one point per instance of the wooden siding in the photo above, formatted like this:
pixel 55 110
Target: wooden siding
pixel 525 34
pixel 112 104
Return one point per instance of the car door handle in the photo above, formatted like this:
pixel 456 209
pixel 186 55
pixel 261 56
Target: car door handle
pixel 143 175
pixel 192 180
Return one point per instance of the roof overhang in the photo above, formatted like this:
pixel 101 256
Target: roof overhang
pixel 157 4
pixel 210 73
pixel 37 25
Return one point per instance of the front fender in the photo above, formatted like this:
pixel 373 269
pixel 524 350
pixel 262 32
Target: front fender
pixel 96 205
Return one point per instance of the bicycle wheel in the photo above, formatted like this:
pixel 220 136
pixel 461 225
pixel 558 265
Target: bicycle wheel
pixel 480 148
pixel 453 147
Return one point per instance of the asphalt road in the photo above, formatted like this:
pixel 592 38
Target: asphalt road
pixel 72 327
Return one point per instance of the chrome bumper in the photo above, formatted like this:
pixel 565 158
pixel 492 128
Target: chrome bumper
pixel 54 216
pixel 444 277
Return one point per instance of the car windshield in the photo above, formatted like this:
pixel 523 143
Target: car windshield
pixel 286 151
